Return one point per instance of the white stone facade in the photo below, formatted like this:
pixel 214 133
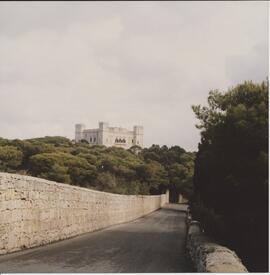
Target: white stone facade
pixel 110 136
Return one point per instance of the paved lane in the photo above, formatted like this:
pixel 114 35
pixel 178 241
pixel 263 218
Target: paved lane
pixel 154 243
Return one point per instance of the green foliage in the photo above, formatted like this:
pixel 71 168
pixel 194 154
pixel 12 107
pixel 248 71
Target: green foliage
pixel 135 149
pixel 57 141
pixel 231 169
pixel 134 171
pixel 177 172
pixel 84 141
pixel 10 158
pixel 213 223
pixel 71 169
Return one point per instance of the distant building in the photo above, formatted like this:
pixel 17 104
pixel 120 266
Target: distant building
pixel 110 136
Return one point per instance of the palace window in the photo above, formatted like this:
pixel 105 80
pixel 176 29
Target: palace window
pixel 120 140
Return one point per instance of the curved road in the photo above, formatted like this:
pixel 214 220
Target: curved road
pixel 154 243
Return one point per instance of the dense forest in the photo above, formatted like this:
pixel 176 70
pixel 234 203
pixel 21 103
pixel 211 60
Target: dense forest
pixel 134 171
pixel 231 171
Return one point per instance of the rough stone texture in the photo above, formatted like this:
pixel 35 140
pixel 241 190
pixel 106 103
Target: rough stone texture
pixel 35 211
pixel 208 256
pixel 154 243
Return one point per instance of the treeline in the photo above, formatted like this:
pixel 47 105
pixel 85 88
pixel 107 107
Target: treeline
pixel 231 171
pixel 134 171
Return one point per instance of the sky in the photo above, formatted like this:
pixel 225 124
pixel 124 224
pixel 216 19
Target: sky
pixel 126 63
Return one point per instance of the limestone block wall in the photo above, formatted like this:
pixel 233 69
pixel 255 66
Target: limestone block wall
pixel 208 256
pixel 35 211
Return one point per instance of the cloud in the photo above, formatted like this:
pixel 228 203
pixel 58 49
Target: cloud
pixel 250 66
pixel 125 63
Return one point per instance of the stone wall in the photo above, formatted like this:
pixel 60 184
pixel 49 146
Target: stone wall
pixel 35 211
pixel 208 256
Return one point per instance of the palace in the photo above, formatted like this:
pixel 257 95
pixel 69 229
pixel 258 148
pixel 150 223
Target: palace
pixel 110 136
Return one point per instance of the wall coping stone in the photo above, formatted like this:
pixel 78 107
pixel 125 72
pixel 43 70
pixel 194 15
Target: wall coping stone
pixel 208 256
pixel 49 182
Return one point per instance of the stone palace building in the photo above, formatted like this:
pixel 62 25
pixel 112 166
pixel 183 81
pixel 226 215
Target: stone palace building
pixel 110 136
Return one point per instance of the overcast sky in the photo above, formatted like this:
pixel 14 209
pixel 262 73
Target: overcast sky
pixel 126 63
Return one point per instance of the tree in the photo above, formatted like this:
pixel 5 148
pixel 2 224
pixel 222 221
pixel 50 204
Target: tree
pixel 231 170
pixel 133 171
pixel 154 174
pixel 10 158
pixel 71 169
pixel 84 141
pixel 171 159
pixel 135 149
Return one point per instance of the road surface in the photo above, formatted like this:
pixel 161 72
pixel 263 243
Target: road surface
pixel 153 244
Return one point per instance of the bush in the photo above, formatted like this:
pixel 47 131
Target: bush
pixel 10 158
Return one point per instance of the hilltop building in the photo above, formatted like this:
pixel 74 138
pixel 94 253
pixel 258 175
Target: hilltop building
pixel 110 136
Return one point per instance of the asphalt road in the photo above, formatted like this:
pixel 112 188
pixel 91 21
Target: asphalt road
pixel 152 244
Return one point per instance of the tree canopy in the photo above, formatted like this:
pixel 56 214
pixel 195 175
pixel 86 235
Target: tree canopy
pixel 134 171
pixel 231 170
